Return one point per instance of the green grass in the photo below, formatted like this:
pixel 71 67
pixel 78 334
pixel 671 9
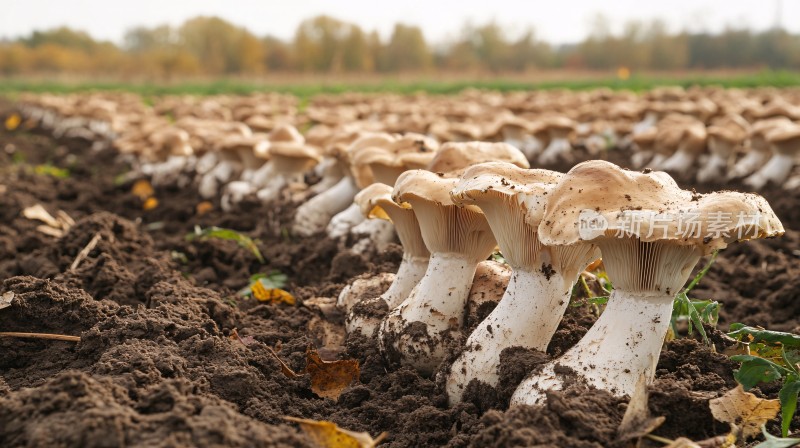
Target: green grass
pixel 11 87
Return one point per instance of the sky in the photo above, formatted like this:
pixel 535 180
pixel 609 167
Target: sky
pixel 556 21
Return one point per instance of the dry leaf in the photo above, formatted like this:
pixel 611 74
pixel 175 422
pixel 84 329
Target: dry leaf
pixel 13 121
pixel 150 204
pixel 272 295
pixel 142 189
pixel 5 299
pixel 203 207
pixel 328 435
pixel 329 379
pixel 636 422
pixel 744 410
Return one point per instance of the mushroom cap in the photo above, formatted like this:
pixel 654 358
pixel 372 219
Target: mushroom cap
pixel 502 179
pixel 373 199
pixel 597 199
pixel 730 128
pixel 425 185
pixel 286 133
pixel 294 150
pixel 784 133
pixel 455 157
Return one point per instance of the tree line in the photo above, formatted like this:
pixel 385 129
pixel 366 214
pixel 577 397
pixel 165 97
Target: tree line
pixel 210 46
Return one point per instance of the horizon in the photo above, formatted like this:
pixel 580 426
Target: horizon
pixel 553 26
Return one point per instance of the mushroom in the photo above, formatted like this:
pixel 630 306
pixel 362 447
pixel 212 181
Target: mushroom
pixel 724 135
pixel 692 144
pixel 759 150
pixel 289 161
pixel 417 332
pixel 375 201
pixel 513 201
pixel 651 235
pixel 785 143
pixel 560 128
pixel 316 213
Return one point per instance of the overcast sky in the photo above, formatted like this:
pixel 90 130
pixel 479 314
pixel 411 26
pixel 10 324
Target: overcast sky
pixel 557 21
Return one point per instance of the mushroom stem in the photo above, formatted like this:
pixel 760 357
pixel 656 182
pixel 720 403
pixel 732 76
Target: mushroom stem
pixel 714 168
pixel 341 223
pixel 626 340
pixel 411 271
pixel 558 148
pixel 418 331
pixel 748 164
pixel 681 161
pixel 623 344
pixel 315 213
pixel 777 170
pixel 537 317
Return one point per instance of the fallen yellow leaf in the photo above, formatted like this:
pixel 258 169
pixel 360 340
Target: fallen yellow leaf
pixel 203 207
pixel 13 121
pixel 150 204
pixel 744 410
pixel 328 435
pixel 272 295
pixel 329 379
pixel 142 189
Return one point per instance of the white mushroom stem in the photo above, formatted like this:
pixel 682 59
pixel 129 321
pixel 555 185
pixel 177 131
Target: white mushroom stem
pixel 437 304
pixel 331 173
pixel 557 149
pixel 679 162
pixel 372 234
pixel 234 193
pixel 517 321
pixel 316 213
pixel 626 340
pixel 411 271
pixel 640 158
pixel 206 162
pixel 341 223
pixel 752 161
pixel 777 170
pixel 715 166
pixel 167 171
pixel 264 176
pixel 250 162
pixel 211 181
pixel 649 121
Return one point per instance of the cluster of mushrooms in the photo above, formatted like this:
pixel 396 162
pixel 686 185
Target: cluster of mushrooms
pixel 450 177
pixel 474 197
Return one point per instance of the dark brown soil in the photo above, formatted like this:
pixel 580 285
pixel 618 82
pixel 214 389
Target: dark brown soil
pixel 156 364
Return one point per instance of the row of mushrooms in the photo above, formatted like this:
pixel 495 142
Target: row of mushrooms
pixel 549 226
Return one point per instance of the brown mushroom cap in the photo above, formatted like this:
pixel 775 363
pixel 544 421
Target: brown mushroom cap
pixel 650 207
pixel 375 201
pixel 446 228
pixel 454 157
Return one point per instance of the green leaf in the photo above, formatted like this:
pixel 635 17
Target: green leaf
pixel 227 234
pixel 776 442
pixel 740 331
pixel 788 397
pixel 756 370
pixel 702 272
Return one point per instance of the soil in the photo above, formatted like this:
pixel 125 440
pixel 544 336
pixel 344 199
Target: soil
pixel 156 364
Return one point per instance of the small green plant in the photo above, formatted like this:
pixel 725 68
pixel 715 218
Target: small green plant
pixel 226 234
pixel 695 312
pixel 51 170
pixel 273 280
pixel 776 442
pixel 770 356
